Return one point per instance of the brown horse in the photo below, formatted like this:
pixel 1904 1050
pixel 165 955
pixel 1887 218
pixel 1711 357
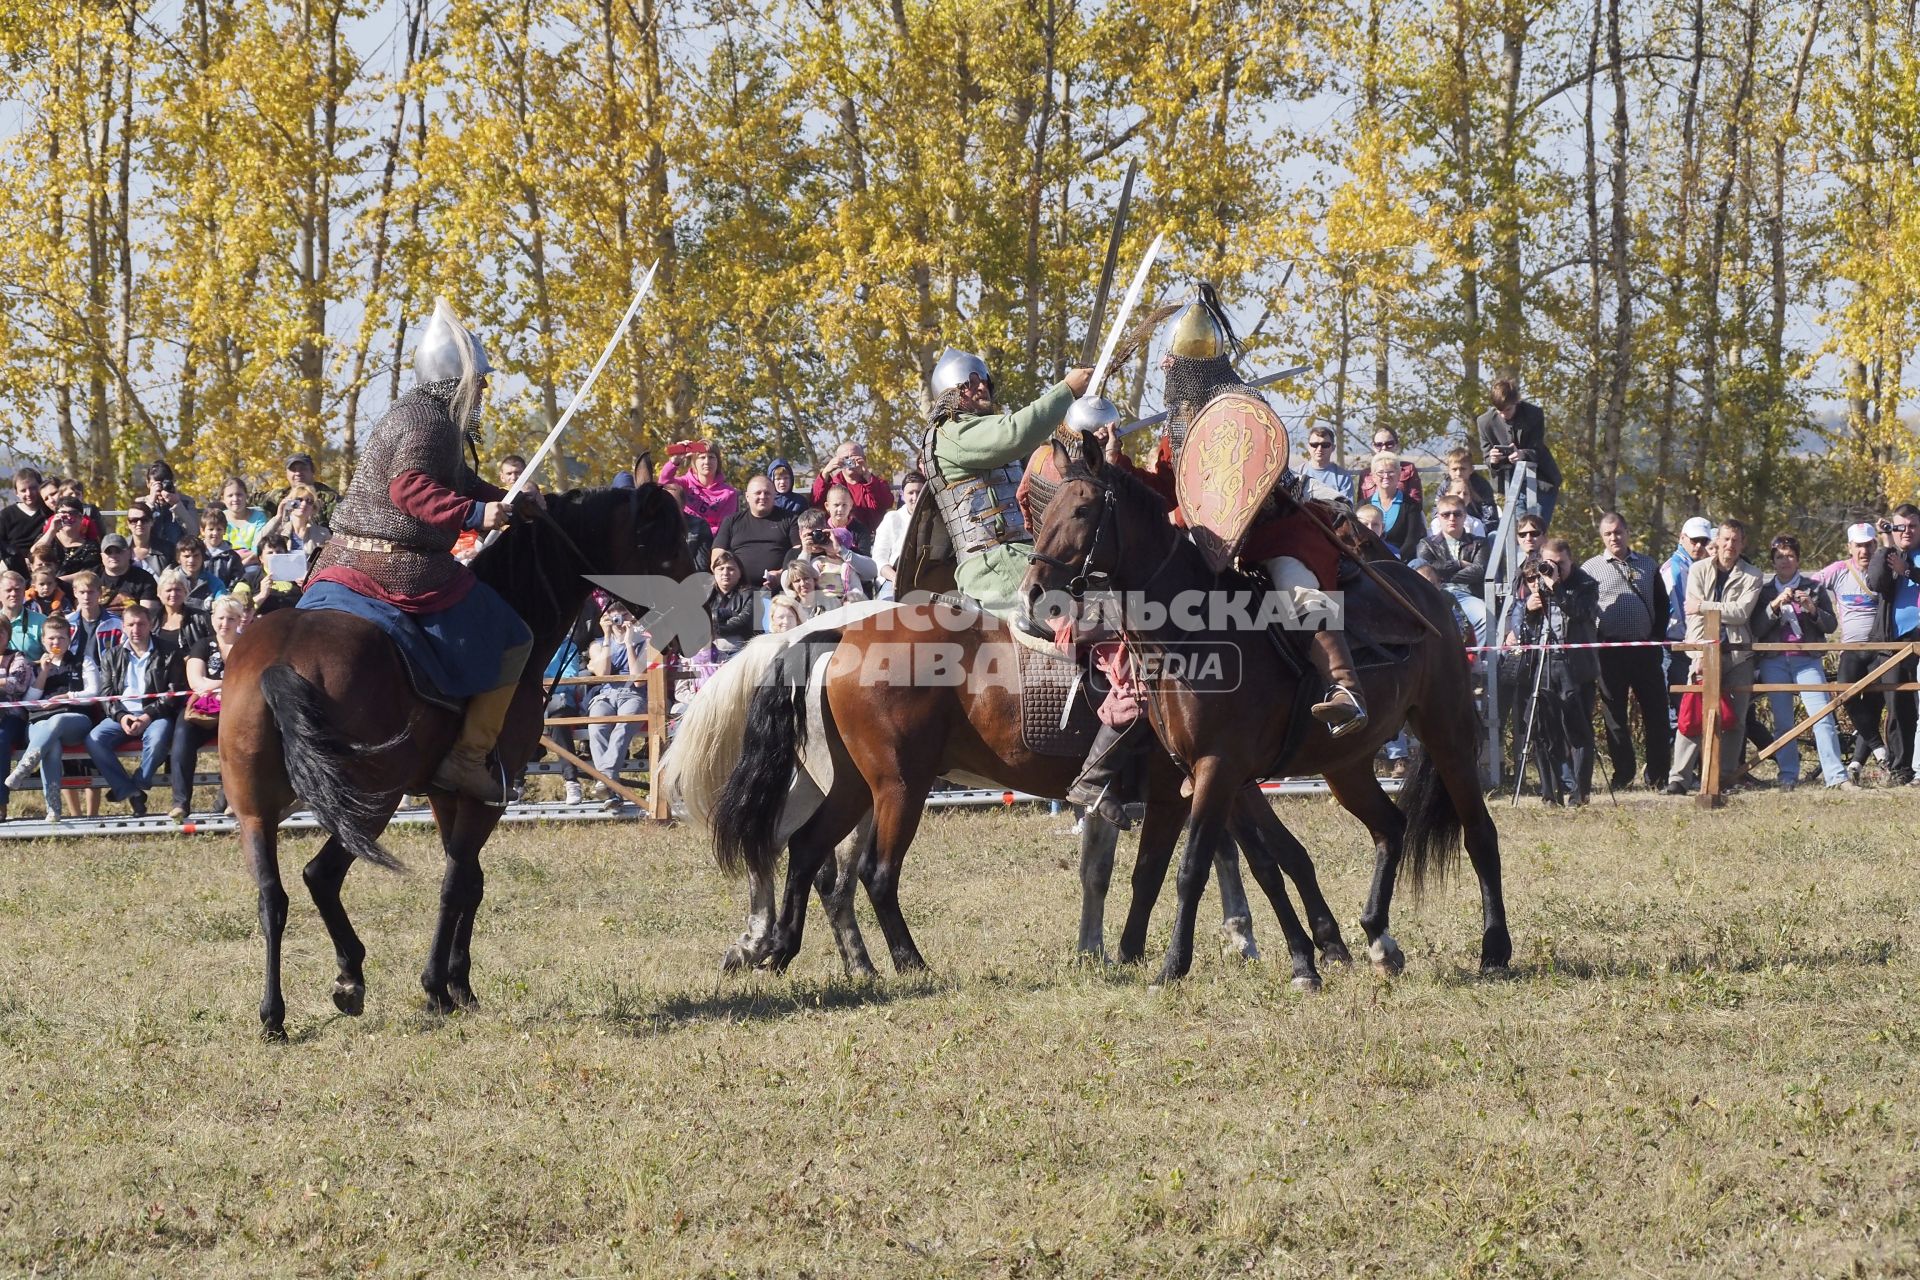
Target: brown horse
pixel 317 706
pixel 1244 720
pixel 912 694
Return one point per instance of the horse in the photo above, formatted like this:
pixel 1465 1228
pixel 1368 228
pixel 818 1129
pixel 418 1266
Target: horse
pixel 1107 526
pixel 318 705
pixel 888 739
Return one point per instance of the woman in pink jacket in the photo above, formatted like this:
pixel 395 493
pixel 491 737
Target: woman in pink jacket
pixel 709 496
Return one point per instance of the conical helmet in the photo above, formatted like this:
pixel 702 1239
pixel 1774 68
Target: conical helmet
pixel 956 369
pixel 1199 333
pixel 447 351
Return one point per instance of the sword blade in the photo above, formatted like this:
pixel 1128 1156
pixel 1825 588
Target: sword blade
pixel 1107 267
pixel 1126 309
pixel 1161 416
pixel 580 396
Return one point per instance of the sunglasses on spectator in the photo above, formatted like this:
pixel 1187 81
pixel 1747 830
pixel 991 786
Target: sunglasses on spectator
pixel 1319 444
pixel 133 519
pixel 1901 528
pixel 1461 515
pixel 1699 542
pixel 1383 444
pixel 1527 533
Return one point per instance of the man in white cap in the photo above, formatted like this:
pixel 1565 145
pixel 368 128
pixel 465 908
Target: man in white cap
pixel 1696 538
pixel 1857 607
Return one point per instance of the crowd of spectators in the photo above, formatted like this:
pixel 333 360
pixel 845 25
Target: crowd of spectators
pixel 119 628
pixel 1640 614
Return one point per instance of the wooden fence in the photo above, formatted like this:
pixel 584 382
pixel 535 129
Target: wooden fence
pixel 1712 686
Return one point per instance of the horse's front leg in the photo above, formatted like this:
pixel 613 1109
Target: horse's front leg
pixel 1206 829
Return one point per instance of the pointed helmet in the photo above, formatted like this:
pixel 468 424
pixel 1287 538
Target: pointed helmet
pixel 447 351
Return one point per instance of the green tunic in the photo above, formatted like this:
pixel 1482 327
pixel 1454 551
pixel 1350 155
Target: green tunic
pixel 971 445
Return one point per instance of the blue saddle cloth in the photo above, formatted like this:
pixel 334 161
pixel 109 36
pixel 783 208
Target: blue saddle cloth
pixel 450 655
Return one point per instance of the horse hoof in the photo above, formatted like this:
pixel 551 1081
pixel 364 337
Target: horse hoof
pixel 1336 954
pixel 1388 960
pixel 735 961
pixel 440 1002
pixel 350 998
pixel 1090 957
pixel 463 996
pixel 1306 983
pixel 274 1034
pixel 1496 952
pixel 1237 939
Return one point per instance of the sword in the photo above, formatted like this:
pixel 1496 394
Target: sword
pixel 1161 416
pixel 579 397
pixel 1126 309
pixel 1112 260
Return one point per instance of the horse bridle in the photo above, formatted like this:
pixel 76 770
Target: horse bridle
pixel 1084 574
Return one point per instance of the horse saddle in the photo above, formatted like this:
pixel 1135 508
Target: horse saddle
pixel 1057 709
pixel 1376 620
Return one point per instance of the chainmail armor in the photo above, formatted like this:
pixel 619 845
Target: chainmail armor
pixel 1190 385
pixel 417 434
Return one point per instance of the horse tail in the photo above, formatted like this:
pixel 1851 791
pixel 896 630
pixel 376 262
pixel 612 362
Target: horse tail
pixel 747 817
pixel 317 764
pixel 713 730
pixel 1434 831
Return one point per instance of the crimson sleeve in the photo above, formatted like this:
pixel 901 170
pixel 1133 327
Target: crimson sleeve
pixel 427 500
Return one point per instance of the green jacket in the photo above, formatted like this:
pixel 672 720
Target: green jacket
pixel 971 445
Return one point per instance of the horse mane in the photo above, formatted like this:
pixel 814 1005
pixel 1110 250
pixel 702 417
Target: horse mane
pixel 539 576
pixel 1141 507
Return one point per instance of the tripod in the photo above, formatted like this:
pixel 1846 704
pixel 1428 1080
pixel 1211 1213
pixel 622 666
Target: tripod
pixel 1556 745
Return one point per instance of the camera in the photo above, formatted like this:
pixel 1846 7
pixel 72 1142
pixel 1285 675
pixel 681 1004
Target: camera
pixel 818 537
pixel 1885 526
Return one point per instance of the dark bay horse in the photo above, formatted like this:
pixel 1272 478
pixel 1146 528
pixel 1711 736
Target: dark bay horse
pixel 317 708
pixel 893 727
pixel 1106 526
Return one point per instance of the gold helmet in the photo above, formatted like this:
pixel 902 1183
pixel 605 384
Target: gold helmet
pixel 1200 332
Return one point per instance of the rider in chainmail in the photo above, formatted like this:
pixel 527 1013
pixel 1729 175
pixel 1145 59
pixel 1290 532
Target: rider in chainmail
pixel 1299 557
pixel 411 496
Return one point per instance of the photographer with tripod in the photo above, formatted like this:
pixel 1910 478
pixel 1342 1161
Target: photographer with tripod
pixel 1556 604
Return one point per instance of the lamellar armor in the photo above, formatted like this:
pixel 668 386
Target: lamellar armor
pixel 982 511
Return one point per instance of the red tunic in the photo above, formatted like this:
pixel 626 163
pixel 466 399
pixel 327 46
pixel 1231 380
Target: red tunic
pixel 1291 533
pixel 433 504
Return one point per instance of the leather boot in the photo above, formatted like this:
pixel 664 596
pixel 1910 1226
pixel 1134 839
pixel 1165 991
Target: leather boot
pixel 1098 786
pixel 1342 710
pixel 466 769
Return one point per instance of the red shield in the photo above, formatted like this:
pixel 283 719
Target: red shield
pixel 1236 449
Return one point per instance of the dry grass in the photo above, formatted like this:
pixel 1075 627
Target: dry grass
pixel 1703 1065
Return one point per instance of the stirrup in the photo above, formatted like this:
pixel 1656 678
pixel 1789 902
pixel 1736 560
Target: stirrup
pixel 1106 804
pixel 1340 711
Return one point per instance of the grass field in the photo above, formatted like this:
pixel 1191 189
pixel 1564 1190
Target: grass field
pixel 1704 1063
